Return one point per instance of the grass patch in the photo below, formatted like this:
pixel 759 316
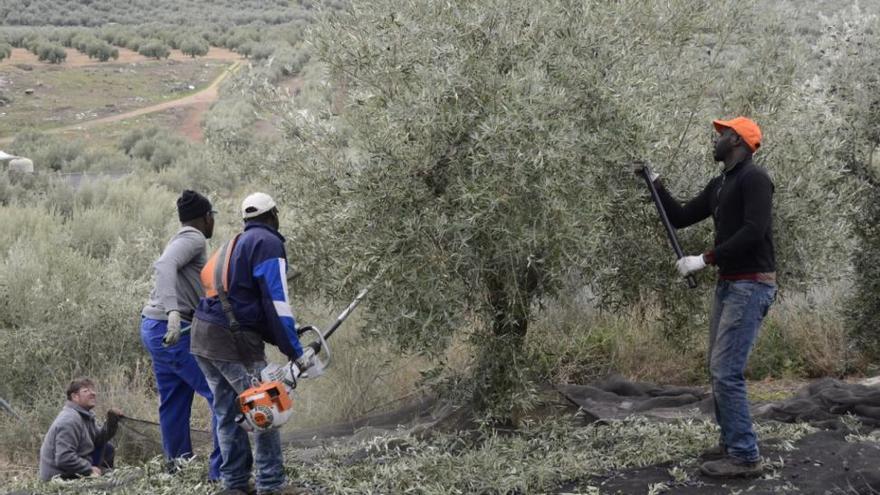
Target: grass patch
pixel 64 96
pixel 773 390
pixel 538 458
pixel 108 136
pixel 573 341
pixel 804 336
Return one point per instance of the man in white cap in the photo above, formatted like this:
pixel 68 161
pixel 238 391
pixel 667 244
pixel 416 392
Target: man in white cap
pixel 246 304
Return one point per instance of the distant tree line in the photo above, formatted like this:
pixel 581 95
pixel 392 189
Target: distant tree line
pixel 156 40
pixel 171 12
pixel 89 44
pixel 45 49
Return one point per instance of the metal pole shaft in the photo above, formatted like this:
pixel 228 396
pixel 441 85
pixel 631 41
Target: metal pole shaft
pixel 345 313
pixel 664 218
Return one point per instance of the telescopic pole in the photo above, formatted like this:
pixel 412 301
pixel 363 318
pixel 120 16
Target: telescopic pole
pixel 670 230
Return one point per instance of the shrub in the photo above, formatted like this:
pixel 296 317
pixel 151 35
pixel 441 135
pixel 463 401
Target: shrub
pixel 154 49
pixel 144 149
pixel 229 125
pixel 47 151
pixel 164 154
pixel 102 51
pixel 5 50
pixel 157 148
pixel 238 38
pixel 50 52
pixel 78 40
pixel 288 61
pixel 132 138
pixel 135 43
pixel 194 47
pixel 246 48
pixel 95 232
pixel 108 162
pixel 261 51
pixel 16 37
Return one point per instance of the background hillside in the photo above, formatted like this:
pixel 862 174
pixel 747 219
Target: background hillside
pixel 168 12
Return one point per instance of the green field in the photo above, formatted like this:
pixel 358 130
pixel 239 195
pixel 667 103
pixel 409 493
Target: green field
pixel 62 96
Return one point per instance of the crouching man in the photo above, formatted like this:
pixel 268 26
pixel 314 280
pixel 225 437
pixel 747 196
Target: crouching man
pixel 75 446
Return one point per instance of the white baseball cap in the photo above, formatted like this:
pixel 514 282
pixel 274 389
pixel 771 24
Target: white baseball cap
pixel 256 204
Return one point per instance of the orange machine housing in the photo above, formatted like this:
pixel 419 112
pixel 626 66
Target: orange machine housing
pixel 266 405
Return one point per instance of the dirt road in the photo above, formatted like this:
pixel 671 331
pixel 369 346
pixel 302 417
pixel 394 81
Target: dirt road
pixel 199 103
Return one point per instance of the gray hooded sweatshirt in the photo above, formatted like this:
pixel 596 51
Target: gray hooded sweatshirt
pixel 70 442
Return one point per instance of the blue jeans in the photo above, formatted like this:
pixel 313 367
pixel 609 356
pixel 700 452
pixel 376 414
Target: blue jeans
pixel 227 380
pixel 103 456
pixel 739 309
pixel 178 377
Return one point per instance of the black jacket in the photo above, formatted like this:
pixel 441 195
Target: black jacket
pixel 740 202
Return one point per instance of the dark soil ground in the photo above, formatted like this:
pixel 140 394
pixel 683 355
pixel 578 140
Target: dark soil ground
pixel 821 463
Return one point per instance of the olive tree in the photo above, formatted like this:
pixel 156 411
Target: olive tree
pixel 50 52
pixel 194 47
pixel 154 49
pixel 482 158
pixel 260 51
pixel 103 51
pixel 850 46
pixel 480 136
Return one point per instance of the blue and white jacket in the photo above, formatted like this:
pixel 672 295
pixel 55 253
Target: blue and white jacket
pixel 256 283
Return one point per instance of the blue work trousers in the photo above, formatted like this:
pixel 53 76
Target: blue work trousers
pixel 227 381
pixel 739 308
pixel 178 376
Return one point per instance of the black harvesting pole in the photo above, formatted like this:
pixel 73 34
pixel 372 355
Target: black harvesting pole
pixel 670 230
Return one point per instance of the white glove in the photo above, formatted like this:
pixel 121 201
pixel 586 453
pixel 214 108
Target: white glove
pixel 690 264
pixel 172 335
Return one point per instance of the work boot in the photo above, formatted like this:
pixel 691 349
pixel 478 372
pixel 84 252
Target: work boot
pixel 289 490
pixel 730 467
pixel 714 453
pixel 250 489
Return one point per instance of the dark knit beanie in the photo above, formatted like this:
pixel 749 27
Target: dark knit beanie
pixel 192 205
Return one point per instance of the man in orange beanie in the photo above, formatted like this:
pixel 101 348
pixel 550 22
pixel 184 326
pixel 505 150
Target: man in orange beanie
pixel 739 201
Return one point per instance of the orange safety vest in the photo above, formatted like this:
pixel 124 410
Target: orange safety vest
pixel 215 279
pixel 208 271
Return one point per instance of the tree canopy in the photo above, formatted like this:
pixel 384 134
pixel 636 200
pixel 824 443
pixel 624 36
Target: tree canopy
pixel 483 159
